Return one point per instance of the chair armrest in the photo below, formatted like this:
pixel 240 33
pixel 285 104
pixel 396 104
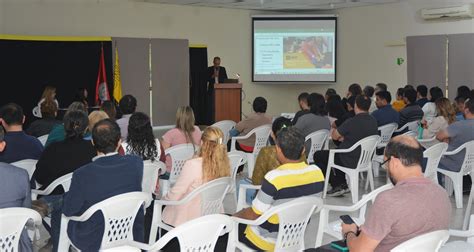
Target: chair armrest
pixel 453 152
pixel 461 233
pixel 258 221
pixel 334 151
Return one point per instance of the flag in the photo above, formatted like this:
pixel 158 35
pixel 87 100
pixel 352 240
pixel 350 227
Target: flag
pixel 117 93
pixel 101 89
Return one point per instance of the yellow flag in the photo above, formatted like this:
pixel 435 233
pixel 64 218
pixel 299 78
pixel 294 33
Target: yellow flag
pixel 117 83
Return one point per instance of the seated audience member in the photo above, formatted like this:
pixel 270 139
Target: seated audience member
pixel 399 103
pixel 57 133
pixel 350 132
pixel 349 112
pixel 43 126
pixel 109 108
pixel 330 92
pixel 49 95
pixel 20 145
pixel 15 191
pixel 352 91
pixel 185 132
pixel 464 92
pixel 127 105
pixel 380 87
pixel 421 93
pixel 314 121
pixel 412 111
pixel 304 107
pixel 369 92
pixel 81 96
pixel 415 206
pixel 408 86
pixel 140 139
pixel 456 135
pixel 384 114
pixel 459 103
pixel 291 180
pixel 94 117
pixel 446 116
pixel 211 163
pixel 266 159
pixel 108 175
pixel 429 110
pixel 335 108
pixel 61 158
pixel 253 121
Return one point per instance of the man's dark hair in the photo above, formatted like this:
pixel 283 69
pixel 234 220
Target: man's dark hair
pixel 106 135
pixel 464 91
pixel 217 57
pixel 408 86
pixel 259 105
pixel 400 92
pixel 410 94
pixel 303 97
pixel 128 104
pixel 381 86
pixel 355 89
pixel 75 124
pixel 280 123
pixel 317 104
pixel 12 114
pixel 331 91
pixel 469 105
pixel 422 90
pixel 436 93
pixel 363 102
pixel 460 99
pixel 2 133
pixel 369 91
pixel 408 155
pixel 291 143
pixel 384 95
pixel 351 101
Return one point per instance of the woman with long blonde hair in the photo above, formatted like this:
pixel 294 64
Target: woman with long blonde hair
pixel 211 163
pixel 446 116
pixel 185 132
pixel 49 95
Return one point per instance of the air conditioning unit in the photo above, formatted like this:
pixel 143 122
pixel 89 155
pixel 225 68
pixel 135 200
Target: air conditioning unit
pixel 464 11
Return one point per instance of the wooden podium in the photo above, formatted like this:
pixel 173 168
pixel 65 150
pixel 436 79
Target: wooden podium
pixel 227 101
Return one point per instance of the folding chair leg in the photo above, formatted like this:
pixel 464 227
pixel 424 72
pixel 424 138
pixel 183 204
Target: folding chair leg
pixel 323 220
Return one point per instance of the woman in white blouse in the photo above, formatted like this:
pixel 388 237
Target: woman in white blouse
pixel 446 116
pixel 429 110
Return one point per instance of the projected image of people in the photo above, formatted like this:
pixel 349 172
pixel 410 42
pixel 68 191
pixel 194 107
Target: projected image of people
pixel 308 52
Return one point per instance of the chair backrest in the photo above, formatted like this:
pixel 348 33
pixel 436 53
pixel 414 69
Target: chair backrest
pixel 13 221
pixel 468 163
pixel 433 156
pixel 212 195
pixel 151 171
pixel 318 139
pixel 64 181
pixel 198 235
pixel 410 126
pixel 430 242
pixel 36 111
pixel 411 133
pixel 367 149
pixel 43 139
pixel 179 155
pixel 28 164
pixel 236 159
pixel 262 134
pixel 293 218
pixel 288 115
pixel 225 126
pixel 386 133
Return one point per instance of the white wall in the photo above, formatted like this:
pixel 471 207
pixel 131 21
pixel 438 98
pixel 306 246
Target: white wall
pixel 363 33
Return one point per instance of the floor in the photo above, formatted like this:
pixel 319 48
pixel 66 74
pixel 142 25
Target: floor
pixel 310 236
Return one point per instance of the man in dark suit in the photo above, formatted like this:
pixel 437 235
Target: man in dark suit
pixel 215 74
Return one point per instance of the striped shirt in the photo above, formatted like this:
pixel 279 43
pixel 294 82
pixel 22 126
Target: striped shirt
pixel 287 182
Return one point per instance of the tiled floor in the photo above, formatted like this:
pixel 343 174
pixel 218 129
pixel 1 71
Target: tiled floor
pixel 310 237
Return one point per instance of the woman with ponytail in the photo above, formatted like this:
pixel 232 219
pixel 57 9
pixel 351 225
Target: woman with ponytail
pixel 211 163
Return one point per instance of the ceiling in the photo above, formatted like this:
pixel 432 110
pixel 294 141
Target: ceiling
pixel 275 5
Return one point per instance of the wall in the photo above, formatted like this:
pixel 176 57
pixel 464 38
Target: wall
pixel 363 56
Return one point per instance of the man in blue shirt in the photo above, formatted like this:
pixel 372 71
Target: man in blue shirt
pixel 384 114
pixel 20 146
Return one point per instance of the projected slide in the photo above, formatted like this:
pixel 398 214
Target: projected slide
pixel 294 50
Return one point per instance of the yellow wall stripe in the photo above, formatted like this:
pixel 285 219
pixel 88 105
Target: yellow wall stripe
pixel 52 38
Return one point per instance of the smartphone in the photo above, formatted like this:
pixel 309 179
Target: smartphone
pixel 347 219
pixel 340 245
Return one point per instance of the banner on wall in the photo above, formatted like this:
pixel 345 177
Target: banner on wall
pixel 117 92
pixel 101 89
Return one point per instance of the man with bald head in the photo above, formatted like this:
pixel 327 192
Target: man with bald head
pixel 414 206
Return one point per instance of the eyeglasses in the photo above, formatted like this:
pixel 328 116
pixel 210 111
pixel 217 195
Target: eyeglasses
pixel 385 162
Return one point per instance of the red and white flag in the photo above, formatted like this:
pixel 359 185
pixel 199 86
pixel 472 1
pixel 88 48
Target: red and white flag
pixel 101 89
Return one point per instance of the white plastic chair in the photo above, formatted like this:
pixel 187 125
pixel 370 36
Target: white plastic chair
pixel 411 133
pixel 43 139
pixel 430 242
pixel 461 246
pixel 466 168
pixel 318 139
pixel 64 181
pixel 433 156
pixel 386 132
pixel 468 209
pixel 367 148
pixel 288 115
pixel 427 143
pixel 28 164
pixel 241 195
pixel 225 126
pixel 261 137
pixel 410 126
pixel 211 195
pixel 236 159
pixel 293 218
pixel 334 228
pixel 151 170
pixel 13 221
pixel 37 112
pixel 119 216
pixel 179 155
